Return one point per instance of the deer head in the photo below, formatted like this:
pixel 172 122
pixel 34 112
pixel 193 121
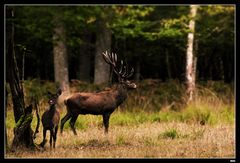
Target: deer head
pixel 54 97
pixel 122 71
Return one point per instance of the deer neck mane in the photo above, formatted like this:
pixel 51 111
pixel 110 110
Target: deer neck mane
pixel 52 110
pixel 121 94
pixel 52 107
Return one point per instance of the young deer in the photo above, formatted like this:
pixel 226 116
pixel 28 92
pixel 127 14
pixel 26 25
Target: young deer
pixel 101 103
pixel 50 119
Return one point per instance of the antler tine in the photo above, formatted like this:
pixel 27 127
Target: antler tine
pixel 106 57
pixel 114 62
pixel 114 57
pixel 121 67
pixel 130 74
pixel 126 71
pixel 111 59
pixel 123 70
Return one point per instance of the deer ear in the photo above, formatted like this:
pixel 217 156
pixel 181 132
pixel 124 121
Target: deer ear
pixel 59 91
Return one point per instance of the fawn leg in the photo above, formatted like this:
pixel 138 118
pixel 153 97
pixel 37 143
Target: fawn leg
pixel 44 138
pixel 51 136
pixel 55 136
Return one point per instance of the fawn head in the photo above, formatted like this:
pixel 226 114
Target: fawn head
pixel 54 97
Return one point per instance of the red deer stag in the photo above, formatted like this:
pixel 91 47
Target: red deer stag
pixel 50 119
pixel 100 103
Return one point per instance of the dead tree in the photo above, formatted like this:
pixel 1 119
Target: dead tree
pixel 23 134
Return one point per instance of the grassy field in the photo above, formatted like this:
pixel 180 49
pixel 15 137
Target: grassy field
pixel 137 139
pixel 152 123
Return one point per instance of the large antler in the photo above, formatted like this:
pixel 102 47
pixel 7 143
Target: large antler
pixel 122 72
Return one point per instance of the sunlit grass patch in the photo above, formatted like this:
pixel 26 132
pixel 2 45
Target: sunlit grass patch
pixel 204 112
pixel 122 140
pixel 172 133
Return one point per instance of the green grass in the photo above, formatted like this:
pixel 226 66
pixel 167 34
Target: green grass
pixel 198 114
pixel 172 133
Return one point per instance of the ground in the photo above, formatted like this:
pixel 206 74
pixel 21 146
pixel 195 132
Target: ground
pixel 148 139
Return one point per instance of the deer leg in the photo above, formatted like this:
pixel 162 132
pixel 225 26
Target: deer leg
pixel 72 122
pixel 106 117
pixel 44 138
pixel 64 120
pixel 55 136
pixel 51 136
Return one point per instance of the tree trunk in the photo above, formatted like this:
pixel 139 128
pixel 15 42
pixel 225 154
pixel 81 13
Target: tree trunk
pixel 195 61
pixel 138 70
pixel 23 134
pixel 36 103
pixel 194 70
pixel 168 66
pixel 60 54
pixel 23 117
pixel 103 43
pixel 190 64
pixel 13 74
pixel 85 59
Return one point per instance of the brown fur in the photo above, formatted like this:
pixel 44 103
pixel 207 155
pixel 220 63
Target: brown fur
pixel 102 103
pixel 50 120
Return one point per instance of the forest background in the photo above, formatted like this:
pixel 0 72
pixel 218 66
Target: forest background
pixel 62 46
